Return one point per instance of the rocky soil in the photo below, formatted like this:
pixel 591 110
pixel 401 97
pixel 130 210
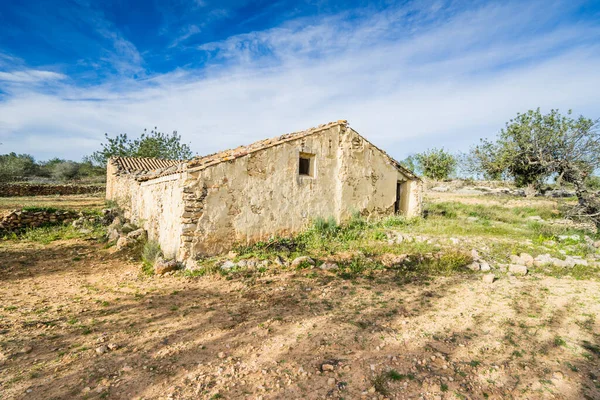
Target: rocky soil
pixel 80 321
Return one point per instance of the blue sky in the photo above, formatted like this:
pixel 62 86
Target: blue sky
pixel 408 75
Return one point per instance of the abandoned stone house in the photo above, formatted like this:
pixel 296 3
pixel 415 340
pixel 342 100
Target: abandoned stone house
pixel 273 187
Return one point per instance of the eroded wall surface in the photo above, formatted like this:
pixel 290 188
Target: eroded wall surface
pixel 262 195
pixel 156 205
pixel 207 210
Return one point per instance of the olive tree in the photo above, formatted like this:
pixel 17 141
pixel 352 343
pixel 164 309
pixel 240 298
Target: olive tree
pixel 534 147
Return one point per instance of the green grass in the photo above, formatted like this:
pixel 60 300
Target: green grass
pixel 503 230
pixel 150 253
pixel 48 234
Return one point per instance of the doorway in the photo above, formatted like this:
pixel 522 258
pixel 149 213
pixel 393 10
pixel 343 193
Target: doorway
pixel 400 187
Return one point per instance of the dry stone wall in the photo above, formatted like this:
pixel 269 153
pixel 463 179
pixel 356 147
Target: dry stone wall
pixel 19 220
pixel 21 190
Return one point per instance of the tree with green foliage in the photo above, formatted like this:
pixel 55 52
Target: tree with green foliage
pixel 434 163
pixel 16 166
pixel 153 144
pixel 534 147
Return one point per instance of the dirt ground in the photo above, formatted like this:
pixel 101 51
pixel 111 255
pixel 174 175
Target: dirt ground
pixel 78 321
pixel 73 202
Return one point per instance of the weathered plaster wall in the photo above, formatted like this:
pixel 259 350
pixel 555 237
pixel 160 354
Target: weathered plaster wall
pixel 207 210
pixel 156 205
pixel 368 180
pixel 261 195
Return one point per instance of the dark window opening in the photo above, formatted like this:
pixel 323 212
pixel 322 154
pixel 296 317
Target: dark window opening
pixel 304 166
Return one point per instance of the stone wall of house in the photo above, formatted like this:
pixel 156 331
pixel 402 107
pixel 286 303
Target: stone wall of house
pixel 262 195
pixel 156 205
pixel 206 211
pixel 368 180
pixel 19 220
pixel 26 189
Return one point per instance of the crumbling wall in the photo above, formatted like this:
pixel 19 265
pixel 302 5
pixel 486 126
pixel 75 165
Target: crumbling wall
pixel 368 181
pixel 156 205
pixel 262 195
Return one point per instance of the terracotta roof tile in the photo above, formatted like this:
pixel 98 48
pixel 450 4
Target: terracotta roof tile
pixel 138 164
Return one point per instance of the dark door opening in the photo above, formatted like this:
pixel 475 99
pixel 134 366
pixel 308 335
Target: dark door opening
pixel 397 204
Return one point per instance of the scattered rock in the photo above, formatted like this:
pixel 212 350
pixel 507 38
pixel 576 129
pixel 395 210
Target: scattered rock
pixel 474 266
pixel 113 346
pixel 475 255
pixel 137 235
pixel 102 349
pixel 221 355
pixel 227 265
pixel 125 243
pixel 393 260
pixel 279 261
pixel 128 227
pixel 484 266
pixel 517 269
pixel 162 266
pixel 326 367
pixel 489 278
pixel 329 266
pixel 25 350
pixel 563 238
pixel 527 259
pixel 302 260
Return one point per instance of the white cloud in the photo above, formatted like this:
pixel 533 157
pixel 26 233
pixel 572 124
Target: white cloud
pixel 30 76
pixel 430 82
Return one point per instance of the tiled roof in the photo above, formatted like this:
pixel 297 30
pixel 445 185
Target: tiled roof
pixel 232 154
pixel 138 164
pixel 142 169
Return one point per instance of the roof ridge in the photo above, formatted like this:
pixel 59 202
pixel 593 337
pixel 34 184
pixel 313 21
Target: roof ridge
pixel 203 162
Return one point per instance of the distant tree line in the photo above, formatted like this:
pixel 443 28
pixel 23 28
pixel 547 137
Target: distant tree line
pixel 23 167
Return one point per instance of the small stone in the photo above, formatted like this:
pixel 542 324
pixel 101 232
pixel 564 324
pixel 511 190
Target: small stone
pixel 331 381
pixel 126 368
pixel 327 367
pixel 221 355
pixel 329 266
pixel 517 269
pixel 113 346
pixel 26 349
pixel 484 266
pixel 489 278
pixel 227 265
pixel 137 235
pixel 526 259
pixel 302 260
pixel 102 349
pixel 162 266
pixel 125 243
pixel 474 266
pixel 475 254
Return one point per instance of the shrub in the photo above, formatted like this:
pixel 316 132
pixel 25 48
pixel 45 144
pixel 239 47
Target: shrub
pixel 150 253
pixel 436 164
pixel 65 170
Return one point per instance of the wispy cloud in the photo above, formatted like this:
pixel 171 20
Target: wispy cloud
pixel 407 77
pixel 30 76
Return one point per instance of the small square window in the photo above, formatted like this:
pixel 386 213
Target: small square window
pixel 304 166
